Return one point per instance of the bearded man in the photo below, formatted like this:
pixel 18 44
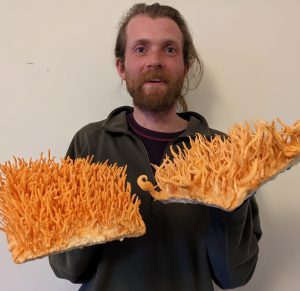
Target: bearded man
pixel 186 247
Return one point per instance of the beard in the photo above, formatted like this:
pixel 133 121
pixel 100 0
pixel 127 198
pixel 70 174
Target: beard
pixel 155 99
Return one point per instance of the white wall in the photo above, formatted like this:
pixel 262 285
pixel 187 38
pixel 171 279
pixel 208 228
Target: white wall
pixel 57 74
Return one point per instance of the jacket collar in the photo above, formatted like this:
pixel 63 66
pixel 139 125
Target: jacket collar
pixel 117 119
pixel 117 122
pixel 196 124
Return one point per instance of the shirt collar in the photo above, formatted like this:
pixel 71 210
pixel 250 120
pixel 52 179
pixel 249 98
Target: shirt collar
pixel 117 122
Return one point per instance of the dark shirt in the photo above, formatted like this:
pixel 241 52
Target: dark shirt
pixel 155 142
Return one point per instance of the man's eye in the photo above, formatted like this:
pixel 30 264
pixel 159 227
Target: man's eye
pixel 140 50
pixel 170 50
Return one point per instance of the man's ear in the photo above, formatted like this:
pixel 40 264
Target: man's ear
pixel 120 67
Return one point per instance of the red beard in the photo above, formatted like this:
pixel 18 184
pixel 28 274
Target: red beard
pixel 152 96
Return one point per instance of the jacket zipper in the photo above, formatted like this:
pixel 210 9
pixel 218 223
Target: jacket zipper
pixel 146 153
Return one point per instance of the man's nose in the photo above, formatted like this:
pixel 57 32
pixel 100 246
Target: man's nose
pixel 155 60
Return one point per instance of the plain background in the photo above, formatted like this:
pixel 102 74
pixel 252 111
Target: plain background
pixel 57 74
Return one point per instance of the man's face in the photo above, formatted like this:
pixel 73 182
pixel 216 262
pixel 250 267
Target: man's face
pixel 153 69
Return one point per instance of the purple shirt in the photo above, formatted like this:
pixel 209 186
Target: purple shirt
pixel 154 141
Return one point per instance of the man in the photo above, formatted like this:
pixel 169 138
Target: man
pixel 186 247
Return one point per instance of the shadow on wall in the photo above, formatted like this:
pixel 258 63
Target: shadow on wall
pixel 204 98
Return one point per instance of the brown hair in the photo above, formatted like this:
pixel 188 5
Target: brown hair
pixel 190 55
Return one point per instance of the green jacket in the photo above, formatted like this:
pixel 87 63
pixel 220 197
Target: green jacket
pixel 186 246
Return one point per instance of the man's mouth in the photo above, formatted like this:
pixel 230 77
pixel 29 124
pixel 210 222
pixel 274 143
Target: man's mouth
pixel 156 81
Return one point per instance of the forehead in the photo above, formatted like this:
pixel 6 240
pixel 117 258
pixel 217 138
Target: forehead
pixel 159 28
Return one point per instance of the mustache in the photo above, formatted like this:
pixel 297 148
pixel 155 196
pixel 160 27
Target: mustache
pixel 151 76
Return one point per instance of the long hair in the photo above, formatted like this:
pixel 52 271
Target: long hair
pixel 190 55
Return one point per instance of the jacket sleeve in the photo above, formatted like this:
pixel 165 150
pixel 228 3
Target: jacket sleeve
pixel 77 265
pixel 232 243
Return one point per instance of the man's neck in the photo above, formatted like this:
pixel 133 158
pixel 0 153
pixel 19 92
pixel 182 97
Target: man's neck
pixel 164 122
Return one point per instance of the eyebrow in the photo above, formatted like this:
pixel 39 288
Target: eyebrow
pixel 141 41
pixel 146 41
